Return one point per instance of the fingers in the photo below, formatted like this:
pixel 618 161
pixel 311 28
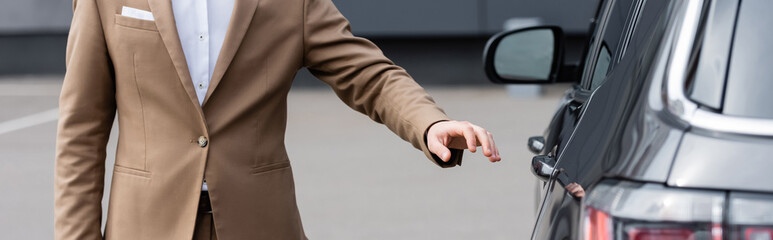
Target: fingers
pixel 457 135
pixel 575 189
pixel 436 146
pixel 572 188
pixel 469 136
pixel 495 157
pixel 485 141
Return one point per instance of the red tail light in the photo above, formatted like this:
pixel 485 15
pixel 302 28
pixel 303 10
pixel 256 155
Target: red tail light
pixel 674 233
pixel 660 234
pixel 598 225
pixel 758 233
pixel 624 210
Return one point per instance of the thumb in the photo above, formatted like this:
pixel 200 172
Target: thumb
pixel 439 149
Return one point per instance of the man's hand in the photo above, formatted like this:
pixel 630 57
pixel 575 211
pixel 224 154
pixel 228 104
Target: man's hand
pixel 460 135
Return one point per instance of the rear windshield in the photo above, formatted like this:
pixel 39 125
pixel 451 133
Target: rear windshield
pixel 749 91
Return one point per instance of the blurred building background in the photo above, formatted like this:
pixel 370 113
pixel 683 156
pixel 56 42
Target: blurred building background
pixel 439 42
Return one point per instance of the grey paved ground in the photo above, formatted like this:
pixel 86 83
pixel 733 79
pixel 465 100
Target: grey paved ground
pixel 354 178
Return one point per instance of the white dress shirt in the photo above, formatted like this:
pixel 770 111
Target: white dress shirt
pixel 201 25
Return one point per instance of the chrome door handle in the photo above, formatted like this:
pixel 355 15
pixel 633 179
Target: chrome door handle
pixel 542 167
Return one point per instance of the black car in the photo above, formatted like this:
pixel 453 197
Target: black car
pixel 668 131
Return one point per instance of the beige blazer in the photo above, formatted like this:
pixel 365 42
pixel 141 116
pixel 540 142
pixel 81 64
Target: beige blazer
pixel 168 143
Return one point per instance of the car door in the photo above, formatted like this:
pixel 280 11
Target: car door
pixel 616 21
pixel 567 113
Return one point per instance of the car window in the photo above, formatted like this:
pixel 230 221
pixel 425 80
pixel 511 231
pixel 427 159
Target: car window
pixel 614 36
pixel 750 81
pixel 602 66
pixel 707 85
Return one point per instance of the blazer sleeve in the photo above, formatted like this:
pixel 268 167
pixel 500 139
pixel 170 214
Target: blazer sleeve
pixel 86 112
pixel 366 80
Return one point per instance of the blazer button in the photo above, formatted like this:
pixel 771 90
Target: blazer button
pixel 202 141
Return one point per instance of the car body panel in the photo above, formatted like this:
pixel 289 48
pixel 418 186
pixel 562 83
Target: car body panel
pixel 726 163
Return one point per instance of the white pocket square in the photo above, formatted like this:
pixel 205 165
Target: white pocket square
pixel 136 13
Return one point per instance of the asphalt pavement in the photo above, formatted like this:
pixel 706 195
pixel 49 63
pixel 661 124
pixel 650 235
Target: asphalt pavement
pixel 354 178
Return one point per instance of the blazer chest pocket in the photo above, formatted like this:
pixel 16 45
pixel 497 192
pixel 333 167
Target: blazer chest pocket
pixel 124 21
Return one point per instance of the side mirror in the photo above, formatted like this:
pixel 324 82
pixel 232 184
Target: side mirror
pixel 529 55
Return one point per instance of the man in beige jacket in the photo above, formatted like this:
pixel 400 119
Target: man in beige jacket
pixel 202 115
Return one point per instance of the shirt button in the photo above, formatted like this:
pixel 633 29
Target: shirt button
pixel 201 85
pixel 201 37
pixel 202 141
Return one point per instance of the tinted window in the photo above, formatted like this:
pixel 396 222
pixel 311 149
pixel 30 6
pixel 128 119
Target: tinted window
pixel 614 36
pixel 708 83
pixel 602 66
pixel 750 77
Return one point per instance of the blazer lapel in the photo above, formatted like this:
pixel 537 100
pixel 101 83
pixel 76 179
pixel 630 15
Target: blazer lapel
pixel 164 17
pixel 240 21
